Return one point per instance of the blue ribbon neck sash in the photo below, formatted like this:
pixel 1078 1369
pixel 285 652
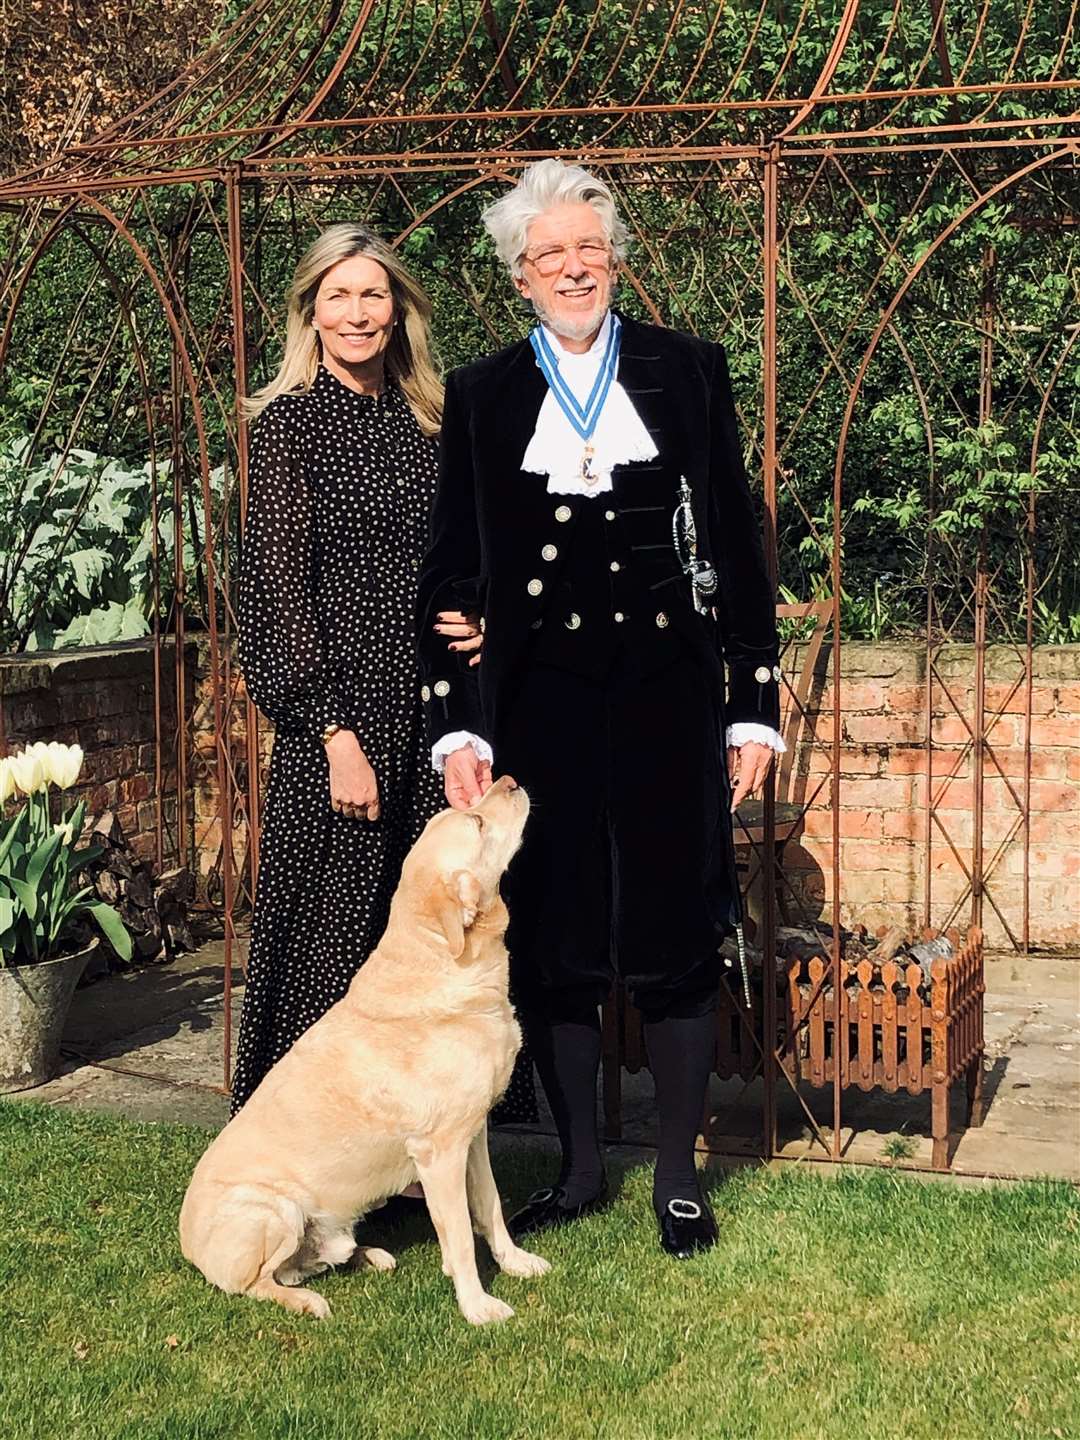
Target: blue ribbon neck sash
pixel 583 418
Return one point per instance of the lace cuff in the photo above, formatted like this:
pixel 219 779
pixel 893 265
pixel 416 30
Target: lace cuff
pixel 744 730
pixel 454 741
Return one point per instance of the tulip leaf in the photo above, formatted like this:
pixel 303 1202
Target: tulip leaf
pixel 113 928
pixel 26 894
pixel 42 858
pixel 11 836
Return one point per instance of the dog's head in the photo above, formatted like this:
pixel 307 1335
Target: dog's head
pixel 457 863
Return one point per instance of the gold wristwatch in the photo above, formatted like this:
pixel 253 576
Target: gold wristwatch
pixel 330 732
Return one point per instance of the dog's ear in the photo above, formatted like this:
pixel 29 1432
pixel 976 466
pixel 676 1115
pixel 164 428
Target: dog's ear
pixel 457 901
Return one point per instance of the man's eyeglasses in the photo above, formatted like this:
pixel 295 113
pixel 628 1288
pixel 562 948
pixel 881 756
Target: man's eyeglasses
pixel 550 259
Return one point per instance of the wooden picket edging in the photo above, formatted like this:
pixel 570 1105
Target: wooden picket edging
pixel 899 1036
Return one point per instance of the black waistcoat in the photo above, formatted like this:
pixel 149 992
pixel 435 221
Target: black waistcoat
pixel 615 579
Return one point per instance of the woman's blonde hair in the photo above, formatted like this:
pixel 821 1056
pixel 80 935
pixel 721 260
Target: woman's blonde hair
pixel 409 359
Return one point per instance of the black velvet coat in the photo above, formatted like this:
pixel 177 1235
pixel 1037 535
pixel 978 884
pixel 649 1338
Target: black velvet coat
pixel 491 519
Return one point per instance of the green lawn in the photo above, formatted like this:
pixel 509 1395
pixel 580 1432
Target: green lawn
pixel 867 1306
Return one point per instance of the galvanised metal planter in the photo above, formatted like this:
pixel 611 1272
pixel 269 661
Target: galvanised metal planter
pixel 34 1003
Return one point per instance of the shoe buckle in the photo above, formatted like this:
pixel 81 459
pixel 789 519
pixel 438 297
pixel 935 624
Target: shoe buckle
pixel 684 1209
pixel 541 1197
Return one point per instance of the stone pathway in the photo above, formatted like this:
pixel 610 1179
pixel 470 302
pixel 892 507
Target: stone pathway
pixel 149 1045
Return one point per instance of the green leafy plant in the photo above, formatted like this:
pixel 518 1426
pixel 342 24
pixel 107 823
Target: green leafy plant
pixel 941 503
pixel 899 1147
pixel 41 899
pixel 77 548
pixel 1051 627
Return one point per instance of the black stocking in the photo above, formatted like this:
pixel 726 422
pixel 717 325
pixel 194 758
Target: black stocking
pixel 567 1058
pixel 681 1056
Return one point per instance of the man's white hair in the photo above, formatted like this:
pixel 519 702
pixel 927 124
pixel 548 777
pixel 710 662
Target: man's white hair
pixel 544 185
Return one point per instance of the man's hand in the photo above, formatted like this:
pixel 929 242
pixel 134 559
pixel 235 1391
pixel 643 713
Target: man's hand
pixel 354 790
pixel 465 778
pixel 747 769
pixel 465 629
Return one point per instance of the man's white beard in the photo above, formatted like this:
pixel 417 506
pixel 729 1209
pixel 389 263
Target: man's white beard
pixel 582 329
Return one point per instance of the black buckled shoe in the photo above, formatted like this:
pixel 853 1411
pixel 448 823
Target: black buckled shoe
pixel 547 1208
pixel 687 1226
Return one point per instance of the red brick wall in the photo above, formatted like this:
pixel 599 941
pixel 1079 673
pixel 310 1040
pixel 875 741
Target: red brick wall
pixel 883 789
pixel 102 700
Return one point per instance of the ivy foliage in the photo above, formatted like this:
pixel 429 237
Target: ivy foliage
pixel 927 364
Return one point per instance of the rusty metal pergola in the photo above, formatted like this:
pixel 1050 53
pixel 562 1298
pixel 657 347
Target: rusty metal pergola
pixel 744 142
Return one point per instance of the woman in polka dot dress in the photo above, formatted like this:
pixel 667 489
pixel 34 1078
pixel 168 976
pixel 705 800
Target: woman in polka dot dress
pixel 342 477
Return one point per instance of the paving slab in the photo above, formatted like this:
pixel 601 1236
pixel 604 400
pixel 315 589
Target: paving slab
pixel 88 1087
pixel 149 1044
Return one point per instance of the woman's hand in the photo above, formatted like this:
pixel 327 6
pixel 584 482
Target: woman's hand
pixel 747 769
pixel 466 628
pixel 354 790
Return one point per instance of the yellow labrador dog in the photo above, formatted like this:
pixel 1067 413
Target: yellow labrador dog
pixel 392 1085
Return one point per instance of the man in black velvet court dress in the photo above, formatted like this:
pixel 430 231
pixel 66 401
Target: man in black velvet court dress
pixel 592 506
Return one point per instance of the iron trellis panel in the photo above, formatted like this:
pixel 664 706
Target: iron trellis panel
pixel 712 121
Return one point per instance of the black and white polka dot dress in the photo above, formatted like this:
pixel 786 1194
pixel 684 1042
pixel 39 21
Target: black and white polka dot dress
pixel 340 493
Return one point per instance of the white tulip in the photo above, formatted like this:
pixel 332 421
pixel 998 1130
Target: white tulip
pixel 7 781
pixel 65 831
pixel 26 768
pixel 62 764
pixel 41 750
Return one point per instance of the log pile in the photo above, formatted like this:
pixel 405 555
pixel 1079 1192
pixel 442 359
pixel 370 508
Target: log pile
pixel 897 944
pixel 154 908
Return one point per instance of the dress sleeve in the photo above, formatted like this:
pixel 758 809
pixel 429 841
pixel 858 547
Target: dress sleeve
pixel 282 652
pixel 747 604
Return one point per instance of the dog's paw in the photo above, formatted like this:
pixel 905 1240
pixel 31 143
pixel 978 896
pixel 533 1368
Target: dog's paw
pixel 365 1255
pixel 485 1310
pixel 310 1303
pixel 522 1264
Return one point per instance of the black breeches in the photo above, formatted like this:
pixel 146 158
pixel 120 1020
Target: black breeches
pixel 626 866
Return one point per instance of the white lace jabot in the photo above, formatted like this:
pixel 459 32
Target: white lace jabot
pixel 556 448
